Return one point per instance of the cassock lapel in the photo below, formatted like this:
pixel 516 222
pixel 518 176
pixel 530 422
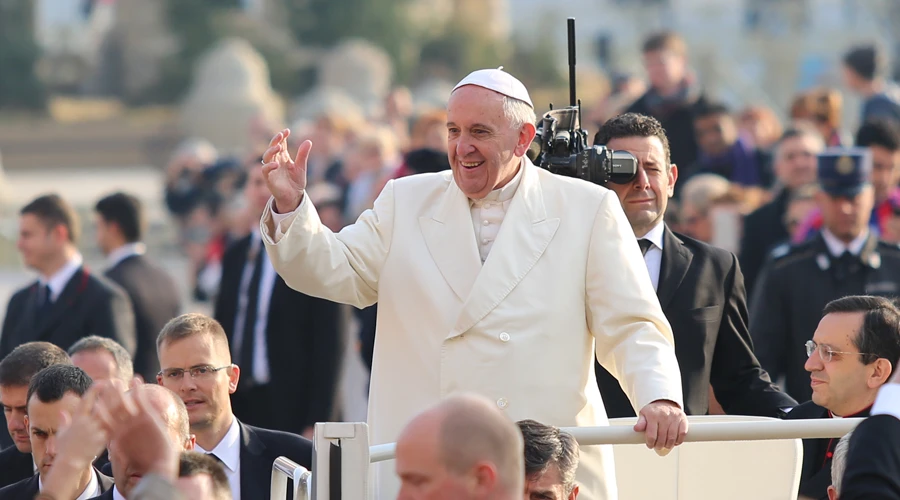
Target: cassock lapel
pixel 74 288
pixel 676 259
pixel 450 238
pixel 524 235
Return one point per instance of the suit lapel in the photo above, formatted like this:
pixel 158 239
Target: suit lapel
pixel 450 238
pixel 676 260
pixel 254 471
pixel 524 235
pixel 66 299
pixel 25 330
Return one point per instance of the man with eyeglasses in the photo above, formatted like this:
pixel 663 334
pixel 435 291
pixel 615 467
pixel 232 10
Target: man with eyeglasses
pixel 851 355
pixel 195 363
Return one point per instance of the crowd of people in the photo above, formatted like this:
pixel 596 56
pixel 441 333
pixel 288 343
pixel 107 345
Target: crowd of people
pixel 748 268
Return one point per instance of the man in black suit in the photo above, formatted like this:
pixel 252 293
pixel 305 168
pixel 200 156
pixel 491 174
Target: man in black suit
pixel 16 372
pixel 154 295
pixel 67 302
pixel 852 354
pixel 700 288
pixel 278 336
pixel 54 390
pixel 196 364
pixel 794 165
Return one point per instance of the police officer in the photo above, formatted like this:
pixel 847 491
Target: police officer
pixel 843 258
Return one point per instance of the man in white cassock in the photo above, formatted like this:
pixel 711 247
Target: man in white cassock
pixel 496 277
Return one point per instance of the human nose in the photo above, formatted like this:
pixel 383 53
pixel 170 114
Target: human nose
pixel 641 180
pixel 50 446
pixel 464 146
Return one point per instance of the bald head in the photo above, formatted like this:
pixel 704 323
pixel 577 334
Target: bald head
pixel 463 448
pixel 171 408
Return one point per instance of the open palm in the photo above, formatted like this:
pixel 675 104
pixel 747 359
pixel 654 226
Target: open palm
pixel 285 177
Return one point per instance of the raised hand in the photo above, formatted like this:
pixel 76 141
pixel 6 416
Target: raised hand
pixel 285 177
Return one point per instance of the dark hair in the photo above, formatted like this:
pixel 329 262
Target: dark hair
pixel 192 463
pixel 124 364
pixel 706 109
pixel 879 336
pixel 884 133
pixel 190 324
pixel 866 61
pixel 665 40
pixel 126 212
pixel 24 362
pixel 633 125
pixel 546 446
pixel 53 211
pixel 52 383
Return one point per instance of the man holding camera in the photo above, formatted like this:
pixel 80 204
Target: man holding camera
pixel 495 277
pixel 700 288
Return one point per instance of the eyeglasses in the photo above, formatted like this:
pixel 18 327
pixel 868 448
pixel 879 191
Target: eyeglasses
pixel 826 352
pixel 197 372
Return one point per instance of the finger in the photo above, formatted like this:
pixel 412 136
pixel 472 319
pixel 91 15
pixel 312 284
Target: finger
pixel 65 420
pixel 303 152
pixel 276 139
pixel 270 153
pixel 641 424
pixel 672 433
pixel 136 382
pixel 268 168
pixel 652 433
pixel 682 430
pixel 89 400
pixel 106 421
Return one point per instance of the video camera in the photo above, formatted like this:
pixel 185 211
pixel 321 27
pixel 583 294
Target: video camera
pixel 561 145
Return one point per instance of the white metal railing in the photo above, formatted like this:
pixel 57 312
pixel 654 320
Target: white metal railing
pixel 284 469
pixel 345 446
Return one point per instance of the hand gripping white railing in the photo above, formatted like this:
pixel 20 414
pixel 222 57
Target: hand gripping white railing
pixel 342 446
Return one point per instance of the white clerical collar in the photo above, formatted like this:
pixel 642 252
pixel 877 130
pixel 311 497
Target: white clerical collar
pixel 90 491
pixel 229 448
pixel 60 279
pixel 506 192
pixel 655 235
pixel 837 247
pixel 125 251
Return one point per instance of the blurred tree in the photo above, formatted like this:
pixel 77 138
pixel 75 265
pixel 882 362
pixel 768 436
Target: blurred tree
pixel 19 86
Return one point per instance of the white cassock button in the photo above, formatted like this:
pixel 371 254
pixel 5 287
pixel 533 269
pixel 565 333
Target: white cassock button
pixel 502 403
pixel 485 223
pixel 484 241
pixel 504 337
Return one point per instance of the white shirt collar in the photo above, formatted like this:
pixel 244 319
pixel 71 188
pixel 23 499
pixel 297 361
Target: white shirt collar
pixel 58 281
pixel 125 251
pixel 229 448
pixel 90 491
pixel 837 247
pixel 655 235
pixel 506 192
pixel 116 494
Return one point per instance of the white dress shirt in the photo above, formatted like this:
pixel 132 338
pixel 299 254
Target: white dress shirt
pixel 260 373
pixel 123 252
pixel 229 452
pixel 90 491
pixel 838 247
pixel 61 278
pixel 653 257
pixel 116 494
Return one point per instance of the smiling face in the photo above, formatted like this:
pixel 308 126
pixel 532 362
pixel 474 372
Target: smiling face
pixel 646 197
pixel 484 149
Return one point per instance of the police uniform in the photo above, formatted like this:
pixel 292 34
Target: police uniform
pixel 800 280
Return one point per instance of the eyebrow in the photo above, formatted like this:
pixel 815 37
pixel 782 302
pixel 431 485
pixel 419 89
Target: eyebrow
pixel 38 429
pixel 474 125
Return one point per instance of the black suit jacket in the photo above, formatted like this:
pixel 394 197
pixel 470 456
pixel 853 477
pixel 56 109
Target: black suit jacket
pixel 305 344
pixel 14 466
pixel 763 230
pixel 88 305
pixel 873 461
pixel 259 449
pixel 27 489
pixel 701 291
pixel 155 299
pixel 815 473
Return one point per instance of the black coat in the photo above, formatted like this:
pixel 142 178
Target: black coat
pixel 873 461
pixel 764 229
pixel 259 449
pixel 155 299
pixel 28 488
pixel 15 466
pixel 815 473
pixel 88 305
pixel 793 290
pixel 678 121
pixel 305 343
pixel 702 295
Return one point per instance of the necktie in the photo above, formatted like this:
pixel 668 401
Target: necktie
pixel 645 245
pixel 845 265
pixel 44 300
pixel 248 343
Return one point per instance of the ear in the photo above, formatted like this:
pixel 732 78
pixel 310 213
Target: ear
pixel 526 135
pixel 27 427
pixel 673 178
pixel 234 376
pixel 484 476
pixel 881 372
pixel 574 494
pixel 832 493
pixel 190 443
pixel 159 379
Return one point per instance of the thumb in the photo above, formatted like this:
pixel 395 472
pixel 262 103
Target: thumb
pixel 641 424
pixel 303 153
pixel 65 420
